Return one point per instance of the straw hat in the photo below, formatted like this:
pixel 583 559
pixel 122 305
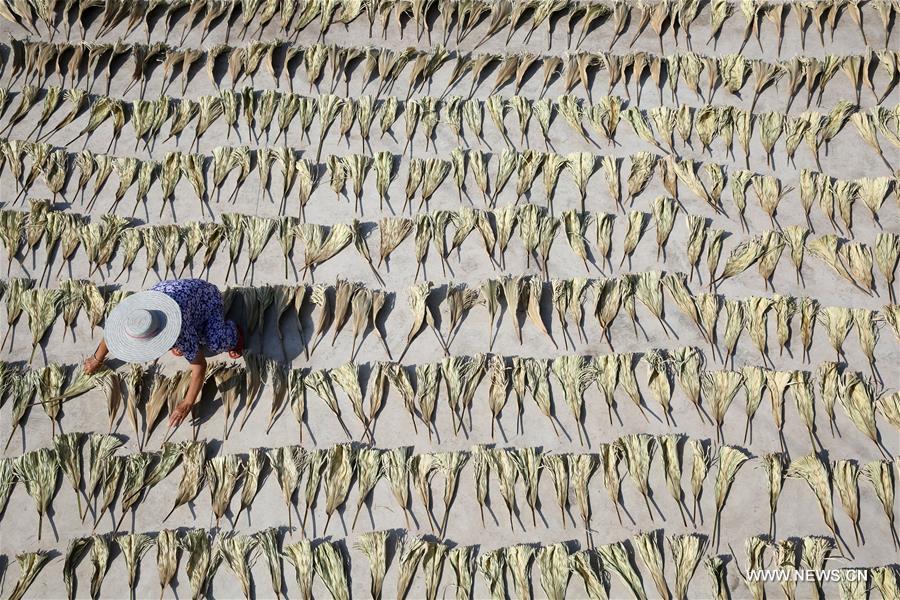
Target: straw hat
pixel 143 326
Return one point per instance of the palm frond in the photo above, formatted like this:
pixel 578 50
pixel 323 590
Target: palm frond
pixel 618 558
pixel 239 552
pixel 202 561
pixel 133 547
pixel 817 476
pixel 730 460
pixel 38 471
pixel 374 546
pixel 30 566
pixel 881 474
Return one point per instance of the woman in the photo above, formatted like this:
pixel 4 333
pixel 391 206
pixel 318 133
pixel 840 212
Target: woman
pixel 185 316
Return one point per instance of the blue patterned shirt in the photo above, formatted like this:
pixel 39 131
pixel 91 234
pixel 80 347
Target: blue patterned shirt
pixel 202 317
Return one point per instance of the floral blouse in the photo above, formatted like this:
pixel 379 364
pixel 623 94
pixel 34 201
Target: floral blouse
pixel 202 317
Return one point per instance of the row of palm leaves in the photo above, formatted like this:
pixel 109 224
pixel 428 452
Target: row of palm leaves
pixel 445 231
pixel 346 301
pixel 52 386
pixel 557 563
pixel 129 478
pixel 112 234
pixel 613 373
pixel 44 306
pixel 679 15
pixel 37 61
pixel 70 299
pixel 507 571
pixel 809 552
pixel 491 174
pixel 612 296
pixel 834 197
pixel 293 18
pixel 367 388
pixel 204 552
pixel 351 301
pixel 257 110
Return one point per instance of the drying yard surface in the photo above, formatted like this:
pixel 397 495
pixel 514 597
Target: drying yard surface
pixel 608 230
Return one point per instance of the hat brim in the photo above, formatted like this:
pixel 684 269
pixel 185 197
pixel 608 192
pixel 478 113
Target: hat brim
pixel 131 349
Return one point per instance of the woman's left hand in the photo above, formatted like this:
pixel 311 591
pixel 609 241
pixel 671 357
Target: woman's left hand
pixel 179 413
pixel 92 364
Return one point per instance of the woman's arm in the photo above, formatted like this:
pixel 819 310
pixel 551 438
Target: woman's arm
pixel 198 374
pixel 93 363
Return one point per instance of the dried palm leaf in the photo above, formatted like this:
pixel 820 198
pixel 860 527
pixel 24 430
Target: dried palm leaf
pixel 887 255
pixel 374 545
pixel 167 547
pixel 881 474
pixel 433 565
pixel 814 553
pixel 42 307
pixel 716 570
pixel 38 470
pixel 617 557
pixel 688 363
pixel 774 464
pixel 638 451
pixel 338 477
pixel 422 313
pixel 322 245
pixel 68 455
pixel 755 547
pixel 301 556
pixel 75 552
pixel 102 448
pixel 553 560
pixel 192 480
pixel 742 257
pixel 889 407
pixel 133 547
pixel 642 166
pixel 505 463
pixel 100 558
pixel 347 378
pixel 239 552
pixel 223 474
pixel 886 580
pixel 202 561
pixel 671 453
pixel 30 566
pixel 687 551
pixel 720 388
pixel 659 379
pixel 846 480
pixel 411 555
pixel 650 549
pixel 730 459
pixel 817 476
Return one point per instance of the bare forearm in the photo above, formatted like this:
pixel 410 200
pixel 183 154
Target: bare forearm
pixel 197 376
pixel 93 363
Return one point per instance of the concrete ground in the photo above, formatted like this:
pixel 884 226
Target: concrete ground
pixel 746 512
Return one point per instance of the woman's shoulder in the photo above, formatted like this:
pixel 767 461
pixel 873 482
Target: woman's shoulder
pixel 181 285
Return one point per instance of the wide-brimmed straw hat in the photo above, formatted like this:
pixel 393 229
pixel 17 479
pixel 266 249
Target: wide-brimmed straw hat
pixel 143 326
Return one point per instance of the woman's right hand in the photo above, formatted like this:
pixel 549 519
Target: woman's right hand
pixel 181 410
pixel 92 364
